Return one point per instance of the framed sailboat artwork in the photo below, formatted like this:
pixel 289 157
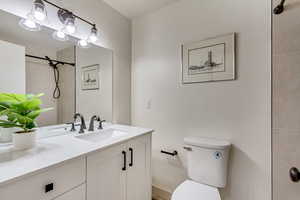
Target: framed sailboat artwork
pixel 209 60
pixel 90 77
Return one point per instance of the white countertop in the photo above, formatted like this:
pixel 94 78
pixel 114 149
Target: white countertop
pixel 15 165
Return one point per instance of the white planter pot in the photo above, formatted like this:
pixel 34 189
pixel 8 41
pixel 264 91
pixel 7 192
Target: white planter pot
pixel 23 141
pixel 6 134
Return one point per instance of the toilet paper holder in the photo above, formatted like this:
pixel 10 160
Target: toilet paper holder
pixel 174 153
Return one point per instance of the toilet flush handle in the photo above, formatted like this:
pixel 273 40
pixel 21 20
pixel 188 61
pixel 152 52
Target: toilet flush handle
pixel 188 148
pixel 294 174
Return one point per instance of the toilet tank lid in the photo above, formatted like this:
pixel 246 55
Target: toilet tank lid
pixel 207 142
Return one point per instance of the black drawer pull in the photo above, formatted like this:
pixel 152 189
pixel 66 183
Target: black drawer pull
pixel 49 187
pixel 124 157
pixel 131 155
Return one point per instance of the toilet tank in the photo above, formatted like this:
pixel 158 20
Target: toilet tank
pixel 207 160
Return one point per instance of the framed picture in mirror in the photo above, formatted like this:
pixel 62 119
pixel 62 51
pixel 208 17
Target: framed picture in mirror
pixel 90 77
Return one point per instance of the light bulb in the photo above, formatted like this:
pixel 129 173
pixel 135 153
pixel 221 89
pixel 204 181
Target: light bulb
pixel 70 28
pixel 70 25
pixel 83 43
pixel 40 16
pixel 29 24
pixel 93 38
pixel 60 35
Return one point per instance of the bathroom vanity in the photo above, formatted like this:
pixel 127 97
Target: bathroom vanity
pixel 109 164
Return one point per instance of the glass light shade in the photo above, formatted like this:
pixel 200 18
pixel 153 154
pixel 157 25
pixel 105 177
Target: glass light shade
pixel 83 43
pixel 60 35
pixel 70 26
pixel 39 11
pixel 38 15
pixel 93 37
pixel 29 24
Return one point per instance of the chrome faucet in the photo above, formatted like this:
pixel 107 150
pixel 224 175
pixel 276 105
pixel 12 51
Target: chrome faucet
pixel 95 117
pixel 82 125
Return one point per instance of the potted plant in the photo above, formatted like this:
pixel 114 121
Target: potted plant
pixel 20 111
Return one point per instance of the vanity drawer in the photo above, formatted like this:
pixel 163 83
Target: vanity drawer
pixel 75 194
pixel 47 185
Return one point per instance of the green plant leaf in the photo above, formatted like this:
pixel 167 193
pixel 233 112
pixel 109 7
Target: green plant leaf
pixel 20 110
pixel 34 114
pixel 12 98
pixel 7 124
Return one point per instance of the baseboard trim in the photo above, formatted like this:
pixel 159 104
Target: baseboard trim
pixel 159 194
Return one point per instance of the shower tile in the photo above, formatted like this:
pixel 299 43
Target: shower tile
pixel 286 154
pixel 286 91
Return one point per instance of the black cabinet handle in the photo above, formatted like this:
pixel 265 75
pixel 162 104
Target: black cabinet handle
pixel 131 155
pixel 49 187
pixel 124 157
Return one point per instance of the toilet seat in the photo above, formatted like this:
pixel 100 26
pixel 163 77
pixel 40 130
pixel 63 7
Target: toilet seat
pixel 191 190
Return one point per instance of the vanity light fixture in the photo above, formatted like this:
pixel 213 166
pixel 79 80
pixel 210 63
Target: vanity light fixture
pixel 38 15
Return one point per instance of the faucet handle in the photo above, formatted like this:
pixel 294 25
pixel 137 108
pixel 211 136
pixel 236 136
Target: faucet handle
pixel 72 126
pixel 100 123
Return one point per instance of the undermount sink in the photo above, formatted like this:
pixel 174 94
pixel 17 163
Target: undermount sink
pixel 102 135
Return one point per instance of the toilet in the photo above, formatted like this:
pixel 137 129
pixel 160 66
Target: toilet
pixel 207 161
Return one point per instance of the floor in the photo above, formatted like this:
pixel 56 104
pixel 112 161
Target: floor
pixel 159 194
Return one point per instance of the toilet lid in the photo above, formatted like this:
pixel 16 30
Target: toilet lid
pixel 190 190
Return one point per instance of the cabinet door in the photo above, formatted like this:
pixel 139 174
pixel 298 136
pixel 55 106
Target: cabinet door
pixel 139 169
pixel 106 178
pixel 75 194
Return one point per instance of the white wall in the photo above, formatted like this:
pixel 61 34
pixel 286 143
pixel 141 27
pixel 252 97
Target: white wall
pixel 238 111
pixel 115 33
pixel 12 68
pixel 95 102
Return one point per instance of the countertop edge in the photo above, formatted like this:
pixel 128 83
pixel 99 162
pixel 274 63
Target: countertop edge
pixel 63 161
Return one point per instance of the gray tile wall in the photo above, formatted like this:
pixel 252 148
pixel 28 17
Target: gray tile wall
pixel 286 100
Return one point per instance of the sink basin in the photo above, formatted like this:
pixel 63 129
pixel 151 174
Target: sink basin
pixel 102 135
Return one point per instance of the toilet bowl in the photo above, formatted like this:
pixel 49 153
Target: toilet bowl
pixel 207 161
pixel 191 190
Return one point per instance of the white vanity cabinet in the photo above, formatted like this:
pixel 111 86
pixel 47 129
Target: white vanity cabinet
pixel 121 172
pixel 118 172
pixel 61 182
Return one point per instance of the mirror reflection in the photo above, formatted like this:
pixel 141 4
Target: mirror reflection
pixel 70 77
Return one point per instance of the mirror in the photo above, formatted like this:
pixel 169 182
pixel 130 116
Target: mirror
pixel 77 79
